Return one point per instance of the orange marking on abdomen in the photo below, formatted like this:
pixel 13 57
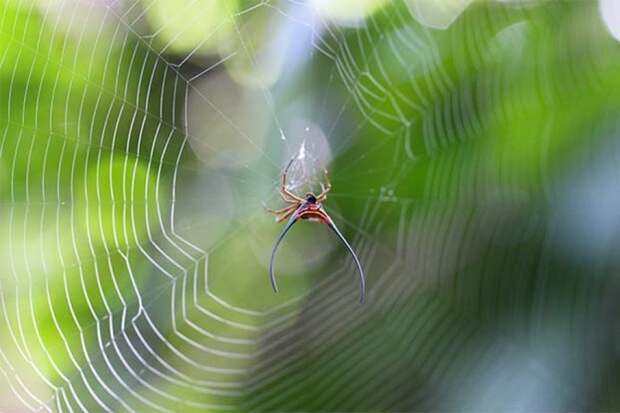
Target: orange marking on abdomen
pixel 314 212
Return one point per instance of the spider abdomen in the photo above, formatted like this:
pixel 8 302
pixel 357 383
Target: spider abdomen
pixel 313 212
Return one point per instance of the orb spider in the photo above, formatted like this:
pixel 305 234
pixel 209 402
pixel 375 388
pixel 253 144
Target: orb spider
pixel 308 208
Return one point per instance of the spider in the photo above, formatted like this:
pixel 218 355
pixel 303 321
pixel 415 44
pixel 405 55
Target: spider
pixel 309 208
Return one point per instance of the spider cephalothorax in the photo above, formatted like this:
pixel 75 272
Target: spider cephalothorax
pixel 308 208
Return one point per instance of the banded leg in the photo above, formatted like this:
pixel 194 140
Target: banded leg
pixel 323 195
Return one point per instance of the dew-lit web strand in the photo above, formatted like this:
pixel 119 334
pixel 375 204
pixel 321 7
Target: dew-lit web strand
pixel 137 331
pixel 145 314
pixel 355 81
pixel 190 85
pixel 110 254
pixel 120 100
pixel 345 68
pixel 265 91
pixel 27 359
pixel 99 148
pixel 222 241
pixel 77 256
pixel 119 294
pixel 138 108
pixel 10 383
pixel 148 173
pixel 173 319
pixel 401 59
pixel 75 320
pixel 119 333
pixel 345 104
pixel 10 244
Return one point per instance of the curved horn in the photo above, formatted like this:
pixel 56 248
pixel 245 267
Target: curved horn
pixel 357 261
pixel 288 226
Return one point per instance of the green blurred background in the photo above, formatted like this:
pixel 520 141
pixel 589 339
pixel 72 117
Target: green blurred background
pixel 474 151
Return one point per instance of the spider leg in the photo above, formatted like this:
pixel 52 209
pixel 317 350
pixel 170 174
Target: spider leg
pixel 323 196
pixel 329 184
pixel 285 192
pixel 286 171
pixel 289 197
pixel 275 248
pixel 278 211
pixel 285 214
pixel 357 261
pixel 326 189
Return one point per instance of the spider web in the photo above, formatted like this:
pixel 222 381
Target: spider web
pixel 134 169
